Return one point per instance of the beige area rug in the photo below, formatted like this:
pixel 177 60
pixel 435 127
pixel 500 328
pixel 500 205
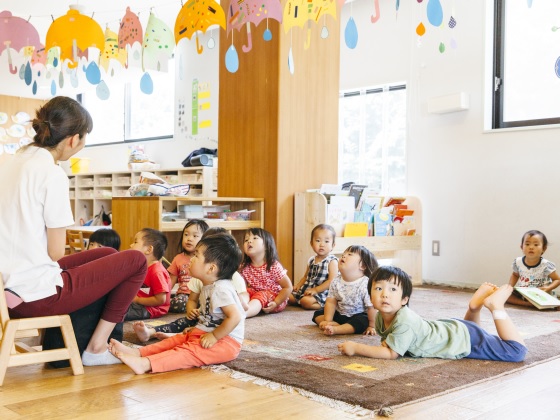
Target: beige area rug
pixel 287 350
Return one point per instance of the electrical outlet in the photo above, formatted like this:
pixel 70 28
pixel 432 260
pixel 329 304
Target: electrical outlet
pixel 435 248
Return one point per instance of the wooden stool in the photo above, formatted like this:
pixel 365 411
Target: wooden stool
pixel 16 353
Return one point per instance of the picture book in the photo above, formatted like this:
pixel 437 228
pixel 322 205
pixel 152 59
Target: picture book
pixel 370 200
pixel 538 297
pixel 356 229
pixel 356 192
pixel 394 200
pixel 340 211
pixel 382 224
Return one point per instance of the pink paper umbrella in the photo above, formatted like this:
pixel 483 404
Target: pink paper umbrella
pixel 130 31
pixel 245 12
pixel 17 33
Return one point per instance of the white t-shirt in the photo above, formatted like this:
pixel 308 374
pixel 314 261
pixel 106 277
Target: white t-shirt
pixel 351 296
pixel 195 285
pixel 33 196
pixel 212 298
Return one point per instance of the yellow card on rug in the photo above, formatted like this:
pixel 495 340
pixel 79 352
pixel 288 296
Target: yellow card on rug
pixel 359 368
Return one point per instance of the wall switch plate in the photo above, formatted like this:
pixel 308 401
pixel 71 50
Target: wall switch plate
pixel 435 248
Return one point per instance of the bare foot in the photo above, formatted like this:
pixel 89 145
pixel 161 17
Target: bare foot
pixel 139 365
pixel 328 330
pixel 162 336
pixel 497 299
pixel 118 347
pixel 477 299
pixel 142 332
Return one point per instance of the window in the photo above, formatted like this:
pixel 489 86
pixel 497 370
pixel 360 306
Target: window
pixel 526 64
pixel 372 145
pixel 131 115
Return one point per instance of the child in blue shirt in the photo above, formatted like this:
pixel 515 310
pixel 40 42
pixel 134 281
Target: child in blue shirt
pixel 403 332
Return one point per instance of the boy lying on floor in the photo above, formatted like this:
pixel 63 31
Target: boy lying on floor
pixel 403 332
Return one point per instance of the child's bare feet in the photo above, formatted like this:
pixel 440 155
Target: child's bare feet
pixel 139 365
pixel 329 330
pixel 477 299
pixel 497 299
pixel 118 347
pixel 142 332
pixel 162 336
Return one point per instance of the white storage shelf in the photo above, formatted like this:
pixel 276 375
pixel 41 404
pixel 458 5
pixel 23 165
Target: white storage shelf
pixel 89 192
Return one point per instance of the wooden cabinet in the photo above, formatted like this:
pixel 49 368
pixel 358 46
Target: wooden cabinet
pixel 132 214
pixel 404 251
pixel 89 192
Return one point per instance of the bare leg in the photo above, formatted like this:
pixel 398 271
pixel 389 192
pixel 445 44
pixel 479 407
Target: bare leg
pixel 339 329
pixel 139 365
pixel 162 336
pixel 143 332
pixel 309 302
pixel 477 301
pixel 292 300
pixel 118 347
pixel 515 300
pixel 505 327
pixel 98 341
pixel 255 308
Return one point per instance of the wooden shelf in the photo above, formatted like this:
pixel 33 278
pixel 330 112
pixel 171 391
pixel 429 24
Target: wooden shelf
pixel 404 251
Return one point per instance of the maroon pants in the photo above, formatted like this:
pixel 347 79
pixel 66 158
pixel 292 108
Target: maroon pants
pixel 88 276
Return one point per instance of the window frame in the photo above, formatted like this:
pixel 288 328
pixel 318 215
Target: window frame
pixel 498 71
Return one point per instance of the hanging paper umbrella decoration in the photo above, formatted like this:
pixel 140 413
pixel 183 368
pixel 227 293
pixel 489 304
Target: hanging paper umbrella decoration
pixel 377 15
pixel 197 16
pixel 74 33
pixel 111 50
pixel 299 12
pixel 244 12
pixel 158 45
pixel 17 33
pixel 130 33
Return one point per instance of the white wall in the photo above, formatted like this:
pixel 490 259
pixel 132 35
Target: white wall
pixel 480 190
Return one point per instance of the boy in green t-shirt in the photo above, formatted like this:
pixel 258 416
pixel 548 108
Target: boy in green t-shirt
pixel 403 332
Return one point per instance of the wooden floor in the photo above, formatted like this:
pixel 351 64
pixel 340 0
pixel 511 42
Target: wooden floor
pixel 113 392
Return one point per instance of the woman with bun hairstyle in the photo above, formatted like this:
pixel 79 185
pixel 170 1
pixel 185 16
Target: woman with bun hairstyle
pixel 35 208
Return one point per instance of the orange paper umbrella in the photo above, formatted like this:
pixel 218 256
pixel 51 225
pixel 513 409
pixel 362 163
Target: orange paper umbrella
pixel 197 16
pixel 74 33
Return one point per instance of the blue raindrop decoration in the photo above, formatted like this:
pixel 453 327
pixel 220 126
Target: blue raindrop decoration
pixel 530 3
pixel 435 12
pixel 557 67
pixel 34 88
pixel 93 74
pixel 232 59
pixel 267 35
pixel 22 72
pixel 146 84
pixel 351 34
pixel 291 64
pixel 28 74
pixel 53 88
pixel 102 91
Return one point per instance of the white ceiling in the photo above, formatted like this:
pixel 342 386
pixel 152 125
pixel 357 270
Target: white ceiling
pixel 105 12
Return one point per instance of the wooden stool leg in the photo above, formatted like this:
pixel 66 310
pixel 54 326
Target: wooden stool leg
pixel 70 342
pixel 8 338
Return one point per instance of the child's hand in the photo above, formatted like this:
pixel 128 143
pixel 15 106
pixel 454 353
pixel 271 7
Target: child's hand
pixel 370 331
pixel 208 340
pixel 270 307
pixel 348 348
pixel 310 292
pixel 193 314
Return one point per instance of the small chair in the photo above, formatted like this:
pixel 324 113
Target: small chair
pixel 16 353
pixel 75 241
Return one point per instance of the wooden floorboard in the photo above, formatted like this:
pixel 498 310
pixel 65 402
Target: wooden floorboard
pixel 113 392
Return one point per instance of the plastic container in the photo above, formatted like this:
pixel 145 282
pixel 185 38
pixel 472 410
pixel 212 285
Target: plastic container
pixel 79 165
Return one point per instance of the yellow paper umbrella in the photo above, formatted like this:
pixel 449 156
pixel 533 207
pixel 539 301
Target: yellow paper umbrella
pixel 197 16
pixel 74 33
pixel 112 50
pixel 298 12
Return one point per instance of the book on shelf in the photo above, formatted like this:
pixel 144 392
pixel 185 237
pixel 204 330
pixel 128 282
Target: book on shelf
pixel 394 200
pixel 539 298
pixel 356 192
pixel 340 211
pixel 382 224
pixel 370 200
pixel 356 229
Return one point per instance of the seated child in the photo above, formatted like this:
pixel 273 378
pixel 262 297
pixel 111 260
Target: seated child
pixel 403 332
pixel 348 308
pixel 532 270
pixel 219 333
pixel 104 237
pixel 312 289
pixel 179 268
pixel 154 303
pixel 267 282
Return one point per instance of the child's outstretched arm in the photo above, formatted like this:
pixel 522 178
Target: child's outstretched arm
pixel 155 300
pixel 284 293
pixel 302 280
pixel 513 279
pixel 232 318
pixel 192 306
pixel 555 282
pixel 350 348
pixel 371 312
pixel 173 279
